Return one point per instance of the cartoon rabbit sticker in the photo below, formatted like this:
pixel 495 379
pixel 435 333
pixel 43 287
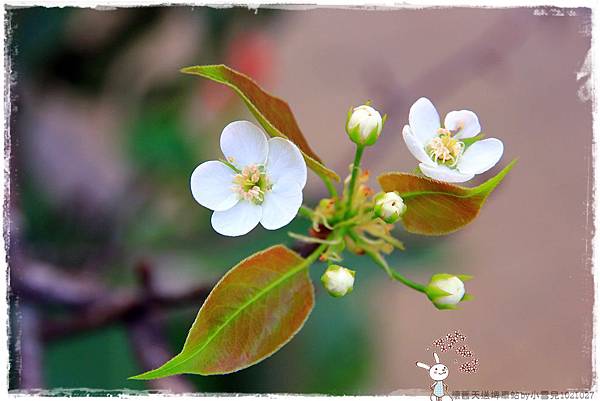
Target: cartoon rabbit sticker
pixel 438 373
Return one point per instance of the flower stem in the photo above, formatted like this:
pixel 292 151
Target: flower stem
pixel 313 240
pixel 415 286
pixel 353 178
pixel 377 258
pixel 329 185
pixel 310 259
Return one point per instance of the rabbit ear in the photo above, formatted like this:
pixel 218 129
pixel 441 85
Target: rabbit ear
pixel 436 357
pixel 423 365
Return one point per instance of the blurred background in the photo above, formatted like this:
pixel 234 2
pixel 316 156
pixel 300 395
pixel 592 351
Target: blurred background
pixel 110 257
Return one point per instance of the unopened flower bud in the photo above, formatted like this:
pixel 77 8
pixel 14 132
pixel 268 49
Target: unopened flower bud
pixel 338 281
pixel 364 124
pixel 447 290
pixel 389 206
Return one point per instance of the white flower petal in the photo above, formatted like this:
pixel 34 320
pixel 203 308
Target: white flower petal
pixel 243 144
pixel 211 184
pixel 416 148
pixel 281 205
pixel 443 173
pixel 465 121
pixel 481 156
pixel 367 118
pixel 453 286
pixel 285 163
pixel 424 120
pixel 238 220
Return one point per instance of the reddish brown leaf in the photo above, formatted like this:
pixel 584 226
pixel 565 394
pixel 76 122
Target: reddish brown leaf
pixel 256 308
pixel 273 113
pixel 435 207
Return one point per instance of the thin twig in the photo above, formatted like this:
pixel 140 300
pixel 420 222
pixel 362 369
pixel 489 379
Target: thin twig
pixel 42 283
pixel 120 306
pixel 146 334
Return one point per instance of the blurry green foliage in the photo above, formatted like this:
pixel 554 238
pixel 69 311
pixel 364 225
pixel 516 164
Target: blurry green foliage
pixel 41 48
pixel 100 359
pixel 159 146
pixel 35 33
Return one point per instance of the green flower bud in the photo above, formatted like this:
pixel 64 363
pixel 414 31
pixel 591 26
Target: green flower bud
pixel 364 124
pixel 447 290
pixel 338 281
pixel 389 206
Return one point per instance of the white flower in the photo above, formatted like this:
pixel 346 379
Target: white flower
pixel 441 151
pixel 364 125
pixel 389 207
pixel 260 180
pixel 338 281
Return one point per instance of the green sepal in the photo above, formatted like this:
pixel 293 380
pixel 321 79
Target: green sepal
pixel 446 307
pixel 470 141
pixel 442 276
pixel 434 293
pixel 467 297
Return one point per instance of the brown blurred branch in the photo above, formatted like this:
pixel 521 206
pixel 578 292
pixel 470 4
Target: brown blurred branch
pixel 119 306
pixel 145 331
pixel 41 283
pixel 125 305
pixel 96 306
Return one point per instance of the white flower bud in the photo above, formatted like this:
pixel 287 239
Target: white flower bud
pixel 338 281
pixel 389 207
pixel 446 290
pixel 364 124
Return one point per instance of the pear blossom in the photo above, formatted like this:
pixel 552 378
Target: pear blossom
pixel 260 180
pixel 447 290
pixel 389 206
pixel 338 280
pixel 441 151
pixel 364 125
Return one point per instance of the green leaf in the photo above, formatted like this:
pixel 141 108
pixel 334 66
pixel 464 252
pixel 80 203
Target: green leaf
pixel 435 207
pixel 256 308
pixel 273 113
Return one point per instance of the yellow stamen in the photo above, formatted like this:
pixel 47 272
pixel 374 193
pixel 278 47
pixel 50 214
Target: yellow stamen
pixel 251 184
pixel 444 148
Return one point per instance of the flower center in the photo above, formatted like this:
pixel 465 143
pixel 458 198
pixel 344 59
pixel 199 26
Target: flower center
pixel 251 184
pixel 444 148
